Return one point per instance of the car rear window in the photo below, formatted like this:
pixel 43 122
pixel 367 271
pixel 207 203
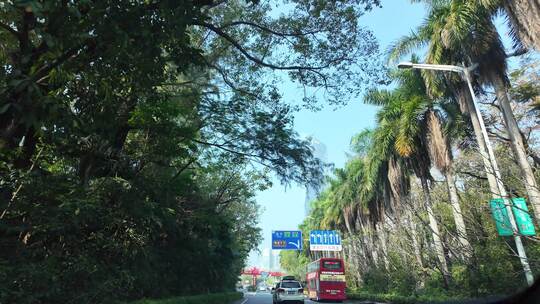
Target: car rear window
pixel 332 265
pixel 290 285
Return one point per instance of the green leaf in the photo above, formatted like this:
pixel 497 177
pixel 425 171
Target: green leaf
pixel 4 108
pixel 49 40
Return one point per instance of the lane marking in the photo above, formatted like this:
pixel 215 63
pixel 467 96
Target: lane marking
pixel 245 301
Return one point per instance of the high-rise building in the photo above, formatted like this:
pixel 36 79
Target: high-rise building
pixel 312 192
pixel 271 260
pixel 266 258
pixel 276 261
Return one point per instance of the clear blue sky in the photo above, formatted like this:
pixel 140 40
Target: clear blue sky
pixel 283 208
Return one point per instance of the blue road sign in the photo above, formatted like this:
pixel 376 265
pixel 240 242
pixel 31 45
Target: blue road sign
pixel 324 240
pixel 287 240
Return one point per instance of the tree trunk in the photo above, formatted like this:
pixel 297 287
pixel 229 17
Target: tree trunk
pixel 354 253
pixel 348 257
pixel 518 147
pixel 466 248
pixel 369 246
pixel 366 244
pixel 492 181
pixel 347 221
pixel 524 17
pixel 416 247
pixel 358 259
pixel 381 236
pixel 435 233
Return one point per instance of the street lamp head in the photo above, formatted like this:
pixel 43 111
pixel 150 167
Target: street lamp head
pixel 405 65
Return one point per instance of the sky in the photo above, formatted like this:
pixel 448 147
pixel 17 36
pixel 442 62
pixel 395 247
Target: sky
pixel 283 208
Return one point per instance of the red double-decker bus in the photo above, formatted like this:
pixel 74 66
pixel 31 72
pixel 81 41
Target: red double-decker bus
pixel 326 280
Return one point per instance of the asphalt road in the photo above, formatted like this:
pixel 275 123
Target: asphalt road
pixel 261 298
pixel 266 298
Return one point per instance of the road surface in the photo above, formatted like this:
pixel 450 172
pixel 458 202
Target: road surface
pixel 266 298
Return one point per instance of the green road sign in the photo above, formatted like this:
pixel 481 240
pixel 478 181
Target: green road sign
pixel 498 210
pixel 522 216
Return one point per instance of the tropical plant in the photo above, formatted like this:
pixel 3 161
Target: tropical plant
pixel 460 31
pixel 523 19
pixel 403 126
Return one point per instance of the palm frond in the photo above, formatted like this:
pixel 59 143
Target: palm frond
pixel 361 142
pixel 407 44
pixel 378 97
pixel 438 144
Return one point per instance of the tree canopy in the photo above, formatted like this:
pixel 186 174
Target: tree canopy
pixel 135 134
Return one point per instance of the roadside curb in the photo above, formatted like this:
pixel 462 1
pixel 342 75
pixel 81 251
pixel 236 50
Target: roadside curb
pixel 364 302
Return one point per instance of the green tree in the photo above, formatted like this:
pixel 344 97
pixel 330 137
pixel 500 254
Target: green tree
pixel 134 134
pixel 406 137
pixel 523 16
pixel 463 31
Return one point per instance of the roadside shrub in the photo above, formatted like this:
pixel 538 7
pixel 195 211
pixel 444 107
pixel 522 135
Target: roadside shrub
pixel 376 280
pixel 216 298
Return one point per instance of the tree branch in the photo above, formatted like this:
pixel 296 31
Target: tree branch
pixel 183 168
pixel 497 135
pixel 266 29
pixel 14 195
pixel 227 149
pixel 242 50
pixel 471 174
pixel 519 52
pixel 44 70
pixel 229 83
pixel 10 30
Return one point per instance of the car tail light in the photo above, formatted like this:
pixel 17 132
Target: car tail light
pixel 280 290
pixel 301 290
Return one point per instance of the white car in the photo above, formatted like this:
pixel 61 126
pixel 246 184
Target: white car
pixel 288 291
pixel 262 288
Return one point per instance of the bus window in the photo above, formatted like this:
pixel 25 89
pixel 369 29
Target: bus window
pixel 332 265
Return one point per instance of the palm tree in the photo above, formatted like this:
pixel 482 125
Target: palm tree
pixel 421 108
pixel 401 139
pixel 523 19
pixel 441 154
pixel 459 31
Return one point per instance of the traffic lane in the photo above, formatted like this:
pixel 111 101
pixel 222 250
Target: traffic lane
pixel 257 298
pixel 266 298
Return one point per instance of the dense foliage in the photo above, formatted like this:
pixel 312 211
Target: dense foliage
pixel 412 203
pixel 134 135
pixel 216 298
pixel 388 236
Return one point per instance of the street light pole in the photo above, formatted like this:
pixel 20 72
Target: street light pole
pixel 466 73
